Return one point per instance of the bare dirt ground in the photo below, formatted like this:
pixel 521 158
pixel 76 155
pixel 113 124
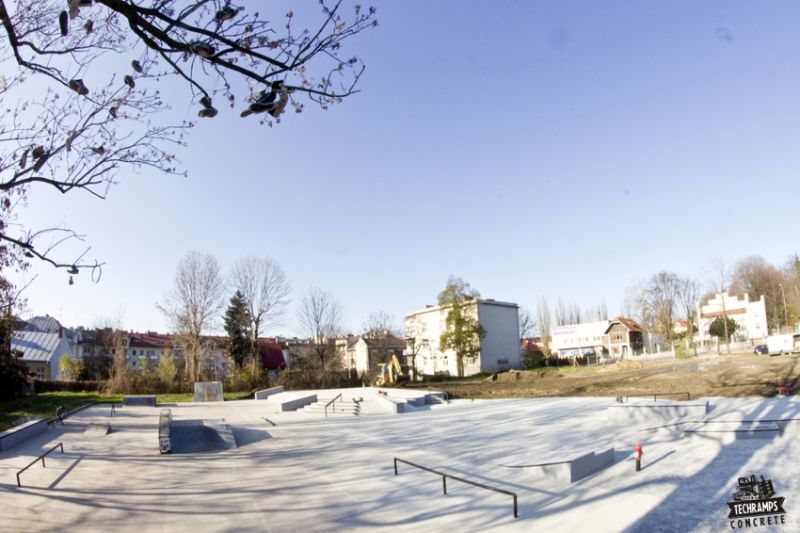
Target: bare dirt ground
pixel 725 375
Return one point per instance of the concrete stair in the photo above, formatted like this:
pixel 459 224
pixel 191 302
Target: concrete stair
pixel 339 408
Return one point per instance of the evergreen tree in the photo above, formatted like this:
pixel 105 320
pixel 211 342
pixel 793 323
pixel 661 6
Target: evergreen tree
pixel 718 329
pixel 237 326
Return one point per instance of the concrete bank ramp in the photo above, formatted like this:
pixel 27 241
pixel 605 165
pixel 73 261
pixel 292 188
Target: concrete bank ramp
pixel 147 400
pixel 193 436
pixel 97 429
pixel 572 468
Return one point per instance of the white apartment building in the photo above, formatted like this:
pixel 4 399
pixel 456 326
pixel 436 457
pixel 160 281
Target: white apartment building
pixel 750 317
pixel 499 349
pixel 575 340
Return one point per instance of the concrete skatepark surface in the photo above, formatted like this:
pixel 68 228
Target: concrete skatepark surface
pixel 307 473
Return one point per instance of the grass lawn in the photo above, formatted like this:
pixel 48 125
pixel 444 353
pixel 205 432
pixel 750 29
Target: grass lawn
pixel 44 405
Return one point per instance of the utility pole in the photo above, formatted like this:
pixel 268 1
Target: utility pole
pixel 785 314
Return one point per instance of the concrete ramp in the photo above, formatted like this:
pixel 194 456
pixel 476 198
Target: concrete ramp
pixel 196 436
pixel 148 400
pixel 97 430
pixel 571 469
pixel 650 412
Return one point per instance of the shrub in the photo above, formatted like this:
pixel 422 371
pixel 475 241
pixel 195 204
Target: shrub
pixel 46 385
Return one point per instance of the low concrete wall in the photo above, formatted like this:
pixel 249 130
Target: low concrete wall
pixel 384 404
pixel 17 435
pixel 139 400
pixel 264 394
pixel 575 468
pixel 659 411
pixel 285 401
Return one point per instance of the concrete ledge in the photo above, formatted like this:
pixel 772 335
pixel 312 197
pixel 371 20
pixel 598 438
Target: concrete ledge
pixel 147 400
pixel 737 430
pixel 384 404
pixel 17 435
pixel 573 469
pixel 658 411
pixel 264 394
pixel 286 401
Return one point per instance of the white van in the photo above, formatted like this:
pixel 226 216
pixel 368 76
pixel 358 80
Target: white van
pixel 780 344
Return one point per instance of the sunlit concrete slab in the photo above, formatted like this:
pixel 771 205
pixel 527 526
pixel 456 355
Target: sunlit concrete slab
pixel 338 474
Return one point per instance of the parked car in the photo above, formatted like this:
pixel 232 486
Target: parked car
pixel 761 349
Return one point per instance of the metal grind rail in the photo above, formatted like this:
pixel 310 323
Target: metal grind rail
pixel 60 444
pixel 337 397
pixel 655 396
pixel 457 478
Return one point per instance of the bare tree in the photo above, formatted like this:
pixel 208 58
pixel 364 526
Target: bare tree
pixel 527 324
pixel 382 331
pixel 718 279
pixel 561 314
pixel 661 299
pixel 266 289
pixel 600 312
pixel 380 323
pixel 688 294
pixel 790 290
pixel 320 314
pixel 544 321
pixel 575 315
pixel 755 277
pixel 416 340
pixel 77 122
pixel 196 299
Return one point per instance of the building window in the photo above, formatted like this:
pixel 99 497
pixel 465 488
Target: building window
pixel 502 361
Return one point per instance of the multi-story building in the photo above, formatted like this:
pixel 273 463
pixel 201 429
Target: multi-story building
pixel 144 350
pixel 498 350
pixel 750 317
pixel 617 338
pixel 577 340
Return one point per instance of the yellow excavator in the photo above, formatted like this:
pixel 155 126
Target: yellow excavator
pixel 388 372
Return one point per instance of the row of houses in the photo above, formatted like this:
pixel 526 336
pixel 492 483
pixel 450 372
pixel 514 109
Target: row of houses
pixel 43 341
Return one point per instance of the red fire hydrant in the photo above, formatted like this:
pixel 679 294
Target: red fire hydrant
pixel 637 455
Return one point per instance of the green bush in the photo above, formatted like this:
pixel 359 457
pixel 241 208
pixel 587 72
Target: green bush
pixel 41 386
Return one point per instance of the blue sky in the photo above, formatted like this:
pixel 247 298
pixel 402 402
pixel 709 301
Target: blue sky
pixel 561 149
